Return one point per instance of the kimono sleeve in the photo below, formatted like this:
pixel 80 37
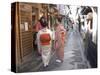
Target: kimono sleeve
pixel 51 35
pixel 38 42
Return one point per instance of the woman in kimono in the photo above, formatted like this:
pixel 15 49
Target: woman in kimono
pixel 60 34
pixel 36 29
pixel 44 41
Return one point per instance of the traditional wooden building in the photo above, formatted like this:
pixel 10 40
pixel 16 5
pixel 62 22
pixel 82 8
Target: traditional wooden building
pixel 21 33
pixel 24 17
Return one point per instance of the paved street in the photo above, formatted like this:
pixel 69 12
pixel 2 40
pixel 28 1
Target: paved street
pixel 36 19
pixel 74 57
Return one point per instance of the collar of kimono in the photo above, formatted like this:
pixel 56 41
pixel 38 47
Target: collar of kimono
pixel 44 29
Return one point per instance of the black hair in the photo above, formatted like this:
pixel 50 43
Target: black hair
pixel 43 21
pixel 59 19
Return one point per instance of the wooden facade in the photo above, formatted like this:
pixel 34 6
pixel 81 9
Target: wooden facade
pixel 23 17
pixel 22 38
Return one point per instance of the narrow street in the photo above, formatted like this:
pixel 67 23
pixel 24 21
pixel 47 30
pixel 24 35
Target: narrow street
pixel 34 19
pixel 74 57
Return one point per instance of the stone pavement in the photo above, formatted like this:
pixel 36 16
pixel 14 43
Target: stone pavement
pixel 74 57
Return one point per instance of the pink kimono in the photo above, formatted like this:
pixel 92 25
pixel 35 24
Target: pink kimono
pixel 38 27
pixel 60 41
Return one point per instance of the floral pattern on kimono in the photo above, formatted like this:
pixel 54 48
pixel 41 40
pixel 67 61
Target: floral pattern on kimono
pixel 60 41
pixel 44 50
